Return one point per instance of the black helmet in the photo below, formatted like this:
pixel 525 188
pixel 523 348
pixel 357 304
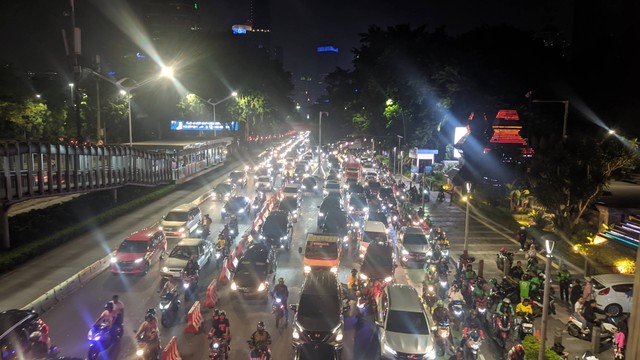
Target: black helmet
pixel 260 325
pixel 151 311
pixel 108 306
pixel 353 271
pixel 149 317
pixel 216 312
pixel 280 279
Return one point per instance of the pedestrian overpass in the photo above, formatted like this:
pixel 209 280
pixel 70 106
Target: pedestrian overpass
pixel 30 170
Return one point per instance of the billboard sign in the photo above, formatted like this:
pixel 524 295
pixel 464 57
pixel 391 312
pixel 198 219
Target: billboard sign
pixel 194 125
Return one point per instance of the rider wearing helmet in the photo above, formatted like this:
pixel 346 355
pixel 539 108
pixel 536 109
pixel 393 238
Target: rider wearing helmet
pixel 222 327
pixel 503 251
pixel 442 267
pixel 469 273
pixel 472 322
pixel 516 352
pixel 192 268
pixel 440 313
pixel 280 291
pixel 261 339
pixel 505 307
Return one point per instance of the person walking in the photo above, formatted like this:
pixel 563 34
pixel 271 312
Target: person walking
pixel 564 279
pixel 575 292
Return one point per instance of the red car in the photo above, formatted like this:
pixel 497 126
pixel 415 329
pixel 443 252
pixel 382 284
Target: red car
pixel 136 253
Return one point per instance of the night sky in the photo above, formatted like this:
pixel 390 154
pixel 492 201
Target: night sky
pixel 31 36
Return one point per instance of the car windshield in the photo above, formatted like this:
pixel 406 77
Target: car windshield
pixel 317 306
pixel 374 185
pixel 330 203
pixel 136 247
pixel 407 322
pixel 300 169
pixel 184 252
pixel 177 216
pixel 358 202
pixel 597 285
pixel 377 216
pixel 247 267
pixel 290 190
pixel 309 181
pixel 275 226
pixel 264 179
pixel 369 236
pixel 321 250
pixel 414 239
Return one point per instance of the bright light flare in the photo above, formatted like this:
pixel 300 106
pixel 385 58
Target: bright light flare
pixel 166 71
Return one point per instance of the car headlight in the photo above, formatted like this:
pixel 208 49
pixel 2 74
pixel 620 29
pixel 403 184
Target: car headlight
pixel 345 238
pixel 334 270
pixel 165 269
pixel 431 355
pixel 365 209
pixel 296 335
pixel 320 214
pixel 113 260
pixel 240 211
pixel 138 261
pixel 307 269
pixel 339 336
pixel 182 229
pixel 388 279
pixel 261 287
pixel 356 224
pixel 350 207
pixel 363 276
pixel 224 210
pixel 160 228
pixel 234 286
pixel 389 350
pixel 284 237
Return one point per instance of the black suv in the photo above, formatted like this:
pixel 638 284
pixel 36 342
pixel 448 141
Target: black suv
pixel 223 192
pixel 238 178
pixel 335 222
pixel 291 206
pixel 251 277
pixel 277 231
pixel 328 204
pixel 379 262
pixel 318 315
pixel 15 328
pixel 239 206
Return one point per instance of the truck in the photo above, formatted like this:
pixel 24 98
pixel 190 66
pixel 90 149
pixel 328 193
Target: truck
pixel 352 171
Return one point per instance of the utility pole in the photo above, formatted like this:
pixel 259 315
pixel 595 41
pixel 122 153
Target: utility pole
pixel 98 124
pixel 77 50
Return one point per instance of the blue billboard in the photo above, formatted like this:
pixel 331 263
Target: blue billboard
pixel 196 125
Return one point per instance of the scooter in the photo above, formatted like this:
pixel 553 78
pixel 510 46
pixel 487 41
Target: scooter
pixel 443 285
pixel 501 260
pixel 472 345
pixel 279 309
pixel 169 306
pixel 190 285
pixel 458 313
pixel 440 196
pixel 101 338
pixel 523 326
pixel 501 328
pixel 218 347
pixel 442 338
pixel 574 328
pixel 258 353
pixel 146 349
pixel 429 295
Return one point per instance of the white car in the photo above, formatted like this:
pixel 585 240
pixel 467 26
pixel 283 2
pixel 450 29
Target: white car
pixel 181 254
pixel 264 183
pixel 612 291
pixel 181 221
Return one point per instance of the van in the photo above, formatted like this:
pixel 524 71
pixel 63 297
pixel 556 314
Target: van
pixel 181 221
pixel 321 251
pixel 318 315
pixel 373 231
pixel 403 324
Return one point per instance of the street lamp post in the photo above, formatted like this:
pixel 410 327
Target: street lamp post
pixel 545 307
pixel 467 199
pixel 213 105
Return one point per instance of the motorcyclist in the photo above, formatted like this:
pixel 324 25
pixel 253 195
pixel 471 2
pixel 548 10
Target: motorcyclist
pixel 118 310
pixel 280 291
pixel 478 294
pixel 505 307
pixel 107 316
pixel 233 224
pixel 38 347
pixel 535 281
pixel 261 339
pixel 225 232
pixel 352 282
pixel 440 313
pixel 221 327
pixel 516 352
pixel 517 271
pixel 420 212
pixel 192 268
pixel 455 294
pixel 442 267
pixel 430 278
pixel 472 322
pixel 170 287
pixel 148 331
pixel 589 313
pixel 524 308
pixel 525 286
pixel 206 226
pixel 469 274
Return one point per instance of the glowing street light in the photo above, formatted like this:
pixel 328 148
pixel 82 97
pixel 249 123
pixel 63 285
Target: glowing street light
pixel 545 307
pixel 466 199
pixel 166 71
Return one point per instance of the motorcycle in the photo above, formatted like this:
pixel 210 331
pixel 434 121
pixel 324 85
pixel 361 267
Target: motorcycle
pixel 443 335
pixel 258 353
pixel 101 338
pixel 463 261
pixel 218 347
pixel 523 326
pixel 190 285
pixel 455 307
pixel 574 328
pixel 472 344
pixel 429 295
pixel 481 308
pixel 169 306
pixel 440 196
pixel 443 285
pixel 147 349
pixel 501 328
pixel 279 309
pixel 502 259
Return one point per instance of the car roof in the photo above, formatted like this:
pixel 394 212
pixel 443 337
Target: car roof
pixel 10 318
pixel 142 235
pixel 223 184
pixel 182 208
pixel 404 298
pixel 278 214
pixel 190 242
pixel 320 282
pixel 413 230
pixel 236 172
pixel 256 251
pixel 613 279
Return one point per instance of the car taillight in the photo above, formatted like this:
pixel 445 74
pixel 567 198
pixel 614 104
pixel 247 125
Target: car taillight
pixel 604 291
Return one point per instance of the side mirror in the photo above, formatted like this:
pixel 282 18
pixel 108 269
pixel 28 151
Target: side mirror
pixel 294 307
pixel 300 250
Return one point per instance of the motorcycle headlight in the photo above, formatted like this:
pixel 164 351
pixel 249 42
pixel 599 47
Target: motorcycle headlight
pixel 443 283
pixel 182 229
pixel 216 345
pixel 185 285
pixel 160 228
pixel 356 224
pixel 388 279
pixel 339 336
pixel 351 208
pixel 261 236
pixel 218 255
pixel 165 269
pixel 363 276
pixel 234 286
pixel 224 210
pixel 296 335
pixel 138 261
pixel 365 209
pixel 405 252
pixel 261 287
pixel 307 269
pixel 334 270
pixel 139 352
pixel 430 288
pixel 240 211
pixel 163 306
pixel 430 355
pixel 113 260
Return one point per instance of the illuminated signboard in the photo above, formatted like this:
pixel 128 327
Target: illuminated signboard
pixel 327 49
pixel 195 125
pixel 460 132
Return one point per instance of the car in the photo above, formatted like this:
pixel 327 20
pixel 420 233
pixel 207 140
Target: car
pixel 358 204
pixel 331 186
pixel 354 188
pixel 309 184
pixel 413 246
pixel 182 252
pixel 379 216
pixel 316 351
pixel 264 183
pixel 403 324
pixel 387 199
pixel 238 178
pixel 277 231
pixel 335 222
pixel 15 328
pixel 136 253
pixel 251 277
pixel 332 177
pixel 292 190
pixel 373 188
pixel 379 262
pixel 300 172
pixel 318 315
pixel 292 207
pixel 181 221
pixel 612 292
pixel 307 156
pixel 240 206
pixel 223 191
pixel 263 171
pixel 328 203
